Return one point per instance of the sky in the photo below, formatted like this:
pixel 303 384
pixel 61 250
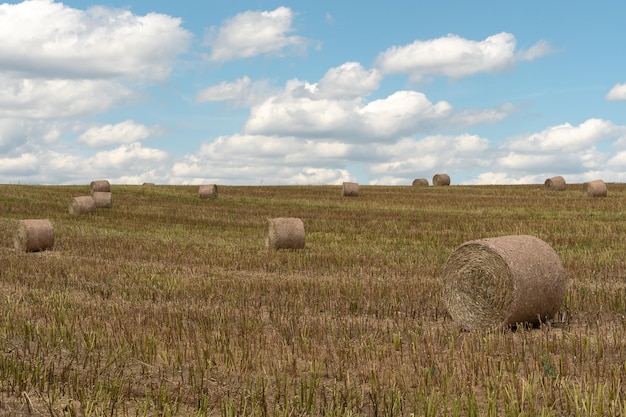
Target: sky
pixel 312 93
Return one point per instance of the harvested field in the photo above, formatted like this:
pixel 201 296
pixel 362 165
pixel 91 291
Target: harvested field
pixel 168 306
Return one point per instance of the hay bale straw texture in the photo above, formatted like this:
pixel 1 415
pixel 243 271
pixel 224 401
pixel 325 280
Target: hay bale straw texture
pixel 82 205
pixel 502 281
pixel 595 188
pixel 99 186
pixel 441 179
pixel 555 184
pixel 207 191
pixel 102 199
pixel 285 233
pixel 420 182
pixel 33 235
pixel 350 189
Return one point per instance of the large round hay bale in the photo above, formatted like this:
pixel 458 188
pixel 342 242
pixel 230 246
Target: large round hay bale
pixel 285 233
pixel 102 199
pixel 441 179
pixel 33 235
pixel 350 189
pixel 595 188
pixel 99 186
pixel 207 191
pixel 555 183
pixel 82 205
pixel 420 182
pixel 502 281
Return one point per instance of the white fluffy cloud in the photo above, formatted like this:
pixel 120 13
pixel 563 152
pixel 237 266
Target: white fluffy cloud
pixel 241 92
pixel 122 133
pixel 45 38
pixel 254 33
pixel 456 57
pixel 618 92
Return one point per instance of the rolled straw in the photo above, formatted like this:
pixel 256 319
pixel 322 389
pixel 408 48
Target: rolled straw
pixel 284 233
pixel 595 188
pixel 350 189
pixel 503 281
pixel 420 182
pixel 207 191
pixel 33 235
pixel 441 179
pixel 102 199
pixel 82 205
pixel 148 184
pixel 99 186
pixel 555 184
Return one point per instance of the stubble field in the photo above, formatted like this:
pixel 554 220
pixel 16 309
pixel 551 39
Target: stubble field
pixel 170 305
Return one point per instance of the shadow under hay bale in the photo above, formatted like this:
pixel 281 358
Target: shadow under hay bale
pixel 99 186
pixel 441 180
pixel 285 233
pixel 350 189
pixel 102 199
pixel 555 183
pixel 82 205
pixel 33 235
pixel 503 281
pixel 594 189
pixel 207 191
pixel 420 182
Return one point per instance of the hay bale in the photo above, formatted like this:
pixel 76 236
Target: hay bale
pixel 82 205
pixel 555 183
pixel 99 186
pixel 33 235
pixel 207 191
pixel 595 188
pixel 350 189
pixel 441 179
pixel 149 184
pixel 420 182
pixel 503 281
pixel 102 199
pixel 284 233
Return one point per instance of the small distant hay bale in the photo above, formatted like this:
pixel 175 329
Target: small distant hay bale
pixel 350 189
pixel 555 183
pixel 33 235
pixel 420 182
pixel 102 199
pixel 285 233
pixel 148 184
pixel 82 205
pixel 503 281
pixel 99 186
pixel 441 180
pixel 207 191
pixel 594 189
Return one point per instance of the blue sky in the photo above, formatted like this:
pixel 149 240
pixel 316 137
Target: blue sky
pixel 264 92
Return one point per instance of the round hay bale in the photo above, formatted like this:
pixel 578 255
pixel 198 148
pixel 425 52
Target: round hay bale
pixel 99 186
pixel 350 189
pixel 102 199
pixel 502 281
pixel 595 188
pixel 441 179
pixel 33 235
pixel 82 205
pixel 149 184
pixel 555 183
pixel 207 191
pixel 420 182
pixel 284 233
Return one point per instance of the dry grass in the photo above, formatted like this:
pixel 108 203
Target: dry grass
pixel 166 306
